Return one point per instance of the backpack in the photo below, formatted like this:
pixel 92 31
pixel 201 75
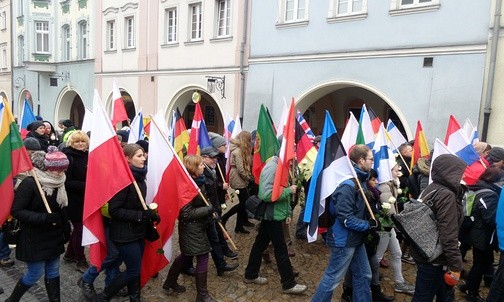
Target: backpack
pixel 256 207
pixel 468 200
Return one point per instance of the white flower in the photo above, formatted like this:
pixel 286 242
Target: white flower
pixel 386 206
pixel 153 206
pixel 391 200
pixel 223 206
pixel 237 192
pixel 399 174
pixel 399 191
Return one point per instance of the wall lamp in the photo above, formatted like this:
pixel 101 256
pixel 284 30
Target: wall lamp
pixel 217 84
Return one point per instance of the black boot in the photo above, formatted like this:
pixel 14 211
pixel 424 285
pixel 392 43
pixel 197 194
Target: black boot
pixel 110 291
pixel 346 296
pixel 201 288
pixel 378 295
pixel 53 289
pixel 18 292
pixel 88 290
pixel 134 290
pixel 171 279
pixel 226 268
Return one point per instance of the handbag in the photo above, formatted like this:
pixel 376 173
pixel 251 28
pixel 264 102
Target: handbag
pixel 256 207
pixel 418 224
pixel 11 229
pixel 151 233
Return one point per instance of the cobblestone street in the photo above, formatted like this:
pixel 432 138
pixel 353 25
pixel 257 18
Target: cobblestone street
pixel 310 261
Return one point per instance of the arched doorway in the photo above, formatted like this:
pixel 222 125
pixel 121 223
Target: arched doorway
pixel 25 95
pixel 342 98
pixel 71 107
pixel 129 105
pixel 77 111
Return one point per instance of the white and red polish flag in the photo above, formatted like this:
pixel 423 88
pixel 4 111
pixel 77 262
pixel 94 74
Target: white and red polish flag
pixel 119 111
pixel 108 172
pixel 170 186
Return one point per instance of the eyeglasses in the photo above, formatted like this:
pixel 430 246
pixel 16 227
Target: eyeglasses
pixel 370 158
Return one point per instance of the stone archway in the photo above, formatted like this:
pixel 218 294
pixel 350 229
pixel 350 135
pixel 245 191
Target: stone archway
pixel 129 105
pixel 70 106
pixel 339 98
pixel 25 95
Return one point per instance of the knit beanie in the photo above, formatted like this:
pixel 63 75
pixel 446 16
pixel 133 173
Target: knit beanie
pixel 32 144
pixel 144 144
pixel 496 154
pixel 67 123
pixel 35 125
pixel 55 160
pixel 217 141
pixel 124 135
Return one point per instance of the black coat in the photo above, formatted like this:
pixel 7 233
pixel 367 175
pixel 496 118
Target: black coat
pixel 39 240
pixel 125 209
pixel 76 182
pixel 194 219
pixel 211 188
pixel 483 234
pixel 42 139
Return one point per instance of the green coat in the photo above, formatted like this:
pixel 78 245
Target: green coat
pixel 280 209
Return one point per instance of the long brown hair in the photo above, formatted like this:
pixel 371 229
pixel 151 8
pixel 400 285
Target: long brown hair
pixel 244 142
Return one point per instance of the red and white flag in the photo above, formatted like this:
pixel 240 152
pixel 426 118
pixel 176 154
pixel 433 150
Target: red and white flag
pixel 119 111
pixel 286 154
pixel 108 172
pixel 170 186
pixel 350 133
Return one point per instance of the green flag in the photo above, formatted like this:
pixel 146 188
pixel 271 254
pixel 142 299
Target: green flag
pixel 266 143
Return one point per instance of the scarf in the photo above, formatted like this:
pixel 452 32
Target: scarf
pixel 49 182
pixel 200 180
pixel 139 173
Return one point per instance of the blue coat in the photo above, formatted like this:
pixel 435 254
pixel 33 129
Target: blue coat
pixel 499 219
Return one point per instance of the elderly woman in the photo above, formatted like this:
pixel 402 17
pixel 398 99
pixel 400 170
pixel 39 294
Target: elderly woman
pixel 43 233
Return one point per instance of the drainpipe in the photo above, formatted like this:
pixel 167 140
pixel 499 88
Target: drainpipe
pixel 242 59
pixel 491 72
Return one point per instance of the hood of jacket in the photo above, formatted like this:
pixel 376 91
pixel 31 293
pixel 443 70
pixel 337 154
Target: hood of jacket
pixel 447 170
pixel 422 166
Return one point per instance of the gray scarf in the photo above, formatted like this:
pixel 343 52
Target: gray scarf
pixel 49 182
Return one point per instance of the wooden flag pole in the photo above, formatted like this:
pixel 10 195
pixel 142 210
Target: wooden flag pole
pixel 199 191
pixel 42 194
pixel 224 180
pixel 400 155
pixel 365 199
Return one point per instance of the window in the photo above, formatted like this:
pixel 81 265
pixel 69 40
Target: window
pixel 129 23
pixel 3 20
pixel 83 40
pixel 349 6
pixel 42 36
pixel 66 43
pixel 20 7
pixel 223 18
pixel 171 25
pixel 347 10
pixel 196 21
pixel 20 50
pixel 110 45
pixel 4 56
pixel 292 13
pixel 401 7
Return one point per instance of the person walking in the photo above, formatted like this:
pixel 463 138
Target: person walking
pixel 43 234
pixel 447 171
pixel 346 236
pixel 194 220
pixel 128 226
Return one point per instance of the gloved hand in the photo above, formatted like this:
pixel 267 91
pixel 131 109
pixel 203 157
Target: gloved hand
pixel 374 224
pixel 67 231
pixel 210 209
pixel 451 278
pixel 216 216
pixel 150 215
pixel 53 218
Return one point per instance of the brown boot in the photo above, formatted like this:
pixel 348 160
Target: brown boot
pixel 201 287
pixel 171 279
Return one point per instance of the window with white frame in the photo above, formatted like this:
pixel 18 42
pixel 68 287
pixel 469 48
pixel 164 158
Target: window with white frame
pixel 83 40
pixel 349 6
pixel 129 30
pixel 65 43
pixel 20 7
pixel 295 10
pixel 223 18
pixel 42 36
pixel 196 21
pixel 110 36
pixel 347 10
pixel 171 25
pixel 4 56
pixel 3 17
pixel 20 50
pixel 398 7
pixel 415 2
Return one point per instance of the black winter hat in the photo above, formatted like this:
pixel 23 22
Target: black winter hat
pixel 35 125
pixel 67 123
pixel 124 135
pixel 32 144
pixel 144 144
pixel 496 154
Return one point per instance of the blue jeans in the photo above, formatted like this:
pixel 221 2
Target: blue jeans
pixel 340 260
pixel 35 270
pixel 430 283
pixel 131 253
pixel 4 248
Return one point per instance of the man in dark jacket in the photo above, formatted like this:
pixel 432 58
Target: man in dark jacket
pixel 447 171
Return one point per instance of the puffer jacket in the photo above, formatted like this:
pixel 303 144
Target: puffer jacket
pixel 194 219
pixel 126 210
pixel 280 209
pixel 75 183
pixel 38 239
pixel 349 210
pixel 447 171
pixel 388 189
pixel 482 233
pixel 238 176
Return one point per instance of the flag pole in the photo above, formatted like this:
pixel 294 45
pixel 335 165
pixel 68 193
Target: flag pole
pixel 224 180
pixel 365 199
pixel 199 191
pixel 400 155
pixel 42 194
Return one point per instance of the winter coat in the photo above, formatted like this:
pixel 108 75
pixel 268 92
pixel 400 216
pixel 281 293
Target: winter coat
pixel 75 182
pixel 38 239
pixel 42 139
pixel 348 208
pixel 419 179
pixel 499 219
pixel 447 171
pixel 482 233
pixel 126 210
pixel 194 219
pixel 280 209
pixel 211 188
pixel 238 176
pixel 388 189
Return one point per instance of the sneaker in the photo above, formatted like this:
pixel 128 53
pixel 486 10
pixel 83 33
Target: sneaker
pixel 7 262
pixel 259 280
pixel 407 259
pixel 88 290
pixel 296 289
pixel 404 288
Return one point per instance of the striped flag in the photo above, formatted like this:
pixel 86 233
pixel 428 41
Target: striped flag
pixel 119 111
pixel 350 133
pixel 470 131
pixel 304 125
pixel 137 128
pixel 306 153
pixel 198 138
pixel 420 147
pixel 27 117
pixel 234 127
pixel 266 143
pixel 181 140
pixel 375 120
pixel 439 149
pixel 365 136
pixel 457 141
pixel 332 167
pixel 395 137
pixel 384 159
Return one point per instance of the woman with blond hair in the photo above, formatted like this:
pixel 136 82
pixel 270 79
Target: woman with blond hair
pixel 75 184
pixel 239 177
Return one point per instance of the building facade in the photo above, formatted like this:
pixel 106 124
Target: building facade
pixel 5 51
pixel 408 60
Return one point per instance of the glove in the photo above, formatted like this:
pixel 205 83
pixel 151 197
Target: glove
pixel 451 278
pixel 67 232
pixel 216 216
pixel 53 218
pixel 150 215
pixel 374 224
pixel 211 209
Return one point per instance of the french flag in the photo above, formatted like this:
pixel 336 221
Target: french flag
pixel 458 142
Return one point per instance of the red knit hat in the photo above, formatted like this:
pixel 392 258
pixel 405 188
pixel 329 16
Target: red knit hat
pixel 55 160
